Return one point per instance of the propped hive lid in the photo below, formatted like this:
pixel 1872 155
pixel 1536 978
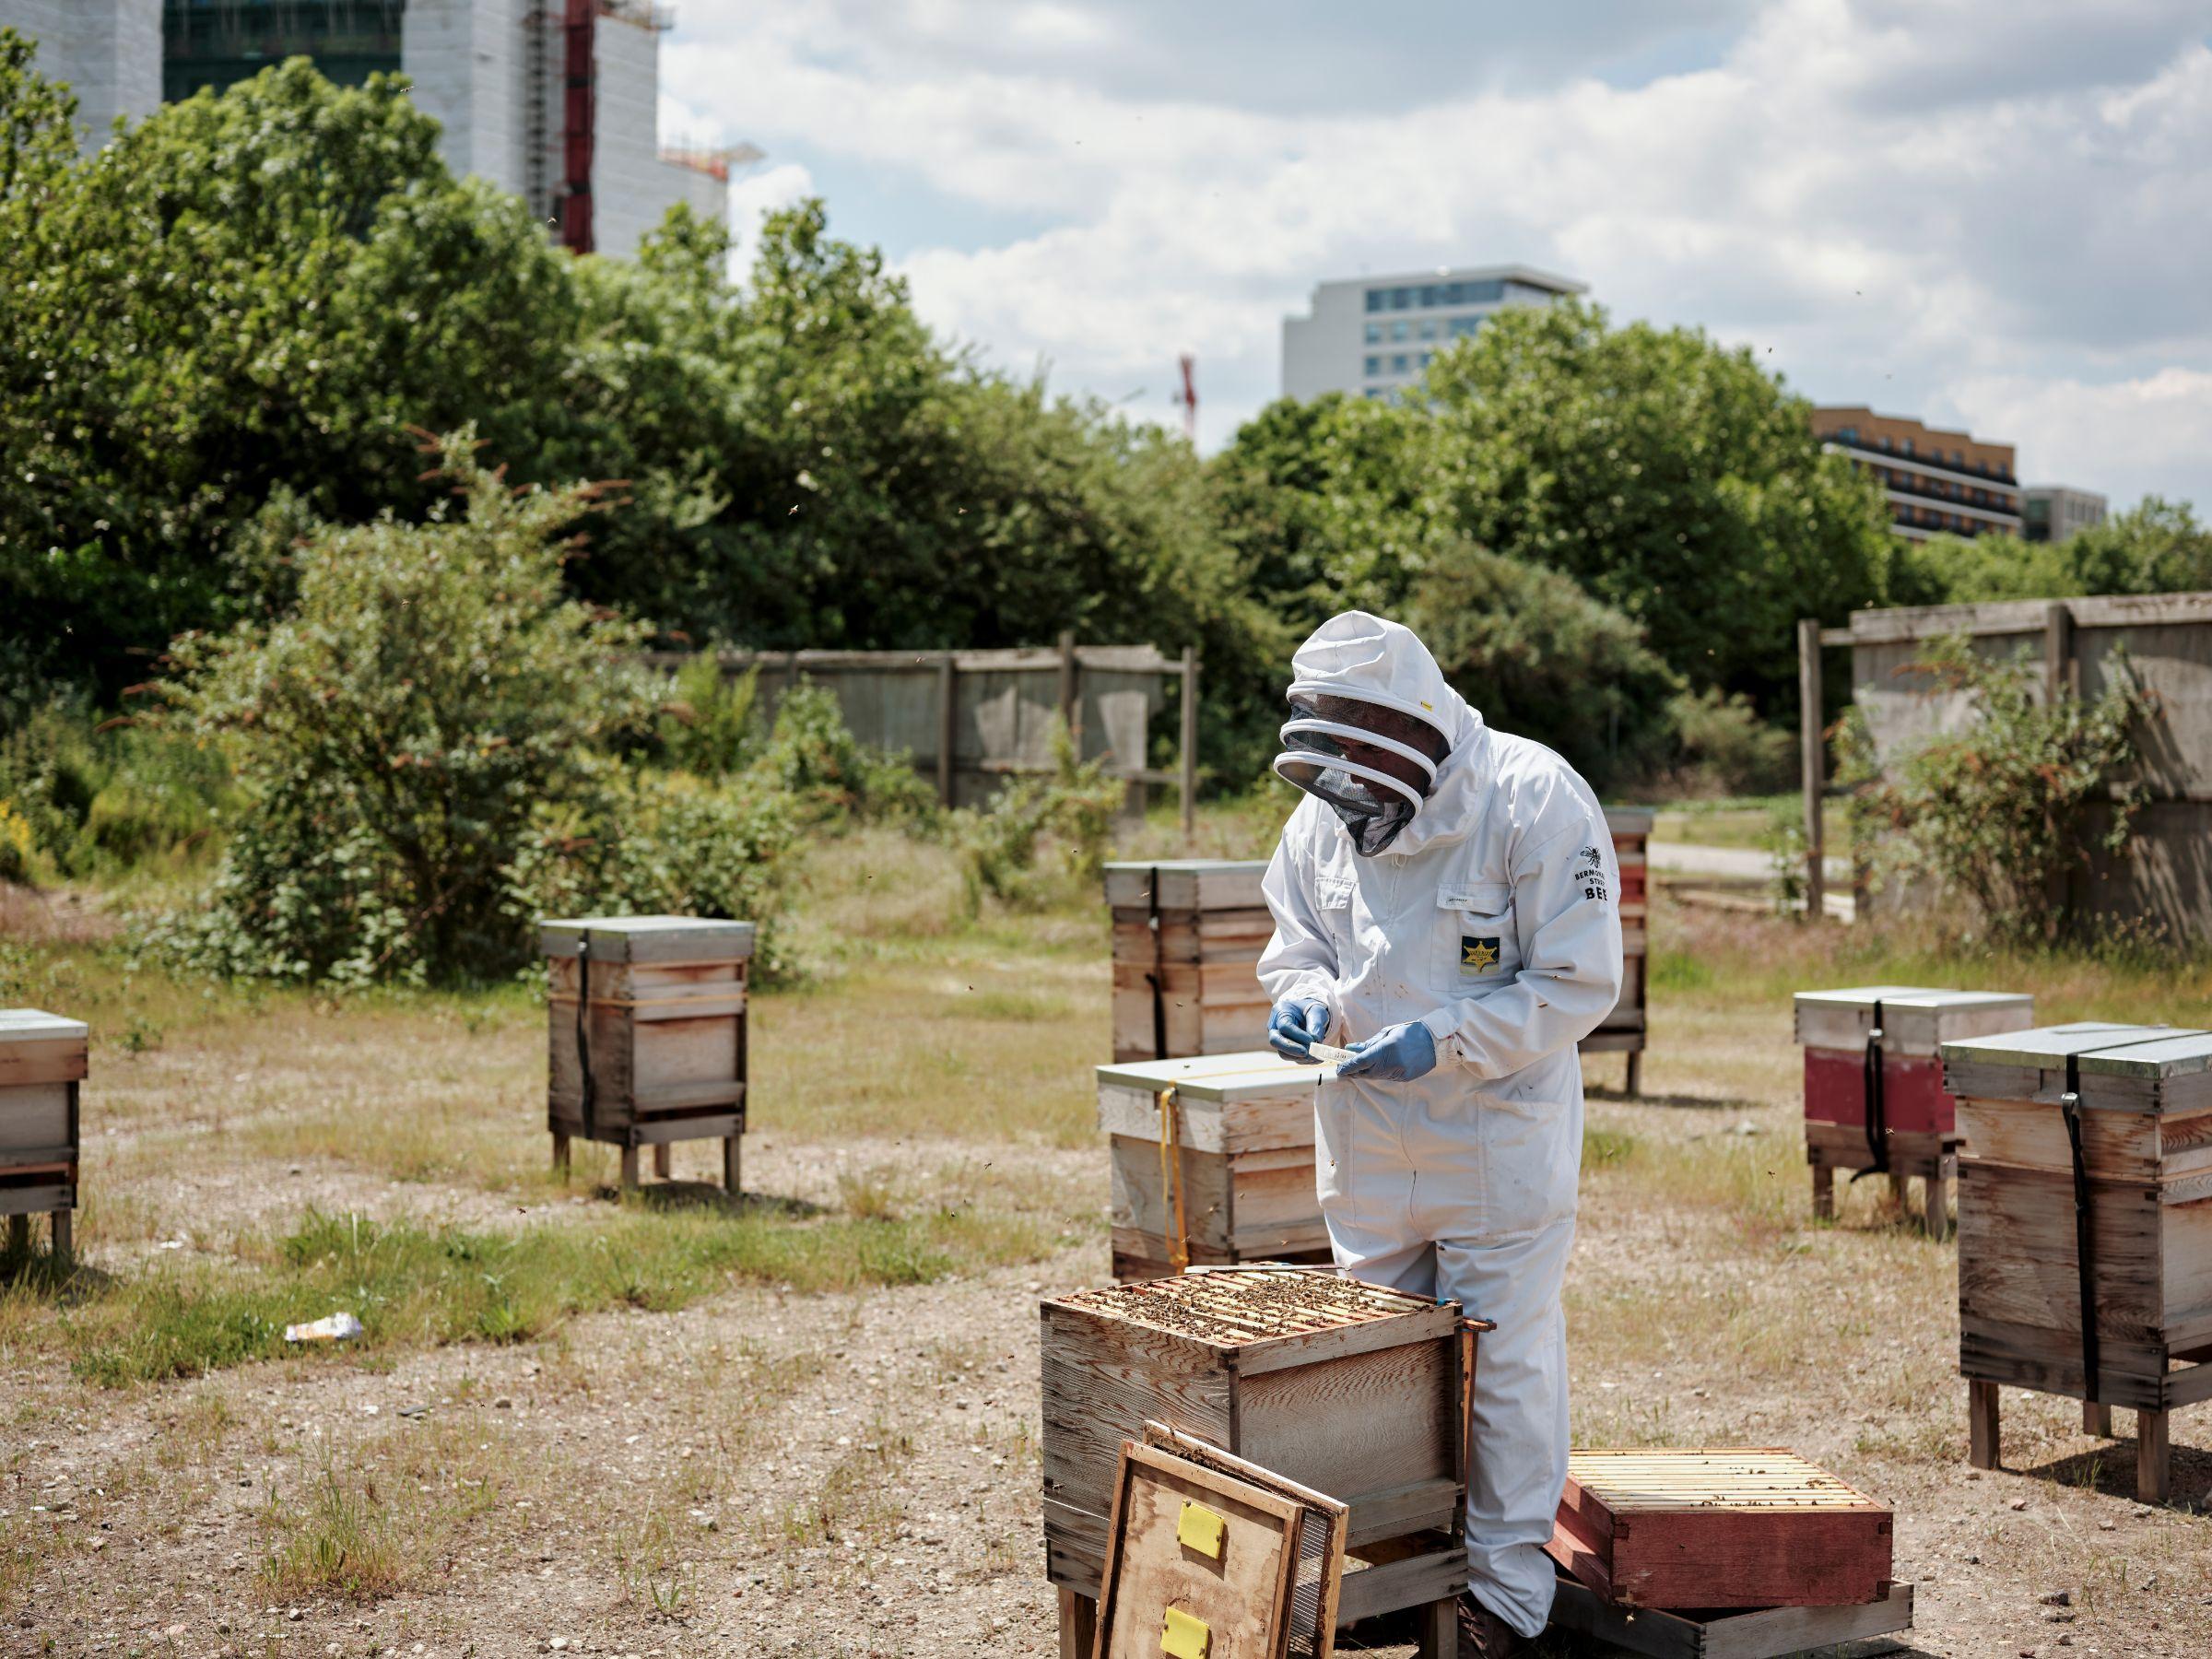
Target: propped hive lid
pixel 35 1025
pixel 1260 1073
pixel 649 938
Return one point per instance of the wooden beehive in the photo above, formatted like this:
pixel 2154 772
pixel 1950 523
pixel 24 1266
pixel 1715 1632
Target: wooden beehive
pixel 1187 938
pixel 1711 1633
pixel 43 1058
pixel 1240 1186
pixel 1358 1391
pixel 1622 1031
pixel 1912 1120
pixel 2123 1227
pixel 1661 1527
pixel 657 1004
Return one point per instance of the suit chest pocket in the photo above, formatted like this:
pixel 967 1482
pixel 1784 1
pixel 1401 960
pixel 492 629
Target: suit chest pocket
pixel 1477 947
pixel 1333 897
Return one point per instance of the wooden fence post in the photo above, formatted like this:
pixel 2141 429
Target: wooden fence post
pixel 2058 679
pixel 1186 756
pixel 1069 712
pixel 948 724
pixel 1814 767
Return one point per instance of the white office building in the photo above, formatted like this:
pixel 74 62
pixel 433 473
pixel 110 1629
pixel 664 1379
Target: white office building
pixel 555 100
pixel 1374 335
pixel 2057 512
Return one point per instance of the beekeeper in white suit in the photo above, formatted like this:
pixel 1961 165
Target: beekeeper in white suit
pixel 1445 905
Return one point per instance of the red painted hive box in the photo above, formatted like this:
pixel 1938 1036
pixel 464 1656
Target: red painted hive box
pixel 1838 1032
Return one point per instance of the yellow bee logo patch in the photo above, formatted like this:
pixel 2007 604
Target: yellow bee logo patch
pixel 1478 956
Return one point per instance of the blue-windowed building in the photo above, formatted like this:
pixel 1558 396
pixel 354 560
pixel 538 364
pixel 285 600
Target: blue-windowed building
pixel 1375 335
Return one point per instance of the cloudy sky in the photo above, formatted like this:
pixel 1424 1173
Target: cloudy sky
pixel 1994 214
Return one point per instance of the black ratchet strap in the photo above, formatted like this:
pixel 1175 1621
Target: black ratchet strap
pixel 1877 1125
pixel 2084 1260
pixel 1158 978
pixel 583 1041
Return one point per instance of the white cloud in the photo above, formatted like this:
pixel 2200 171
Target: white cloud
pixel 1935 209
pixel 2125 437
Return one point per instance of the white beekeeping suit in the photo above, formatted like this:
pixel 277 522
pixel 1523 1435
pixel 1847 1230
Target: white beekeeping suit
pixel 1491 920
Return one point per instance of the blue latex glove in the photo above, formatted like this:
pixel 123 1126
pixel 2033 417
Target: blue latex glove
pixel 1293 1024
pixel 1398 1055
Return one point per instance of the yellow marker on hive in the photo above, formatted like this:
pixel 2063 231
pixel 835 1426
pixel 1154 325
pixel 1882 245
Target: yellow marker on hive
pixel 1201 1529
pixel 1183 1637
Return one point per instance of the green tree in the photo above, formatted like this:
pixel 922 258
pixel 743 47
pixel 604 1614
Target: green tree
pixel 1675 479
pixel 1541 658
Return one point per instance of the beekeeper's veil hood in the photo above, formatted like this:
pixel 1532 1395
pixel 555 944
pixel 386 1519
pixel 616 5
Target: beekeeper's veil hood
pixel 1372 724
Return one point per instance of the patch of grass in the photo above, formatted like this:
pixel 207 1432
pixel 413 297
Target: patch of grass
pixel 415 1286
pixel 1603 1146
pixel 335 1540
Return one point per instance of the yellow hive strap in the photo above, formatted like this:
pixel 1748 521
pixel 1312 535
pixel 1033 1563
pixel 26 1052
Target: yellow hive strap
pixel 1170 1182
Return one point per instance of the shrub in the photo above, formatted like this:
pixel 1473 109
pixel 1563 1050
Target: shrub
pixel 1722 747
pixel 712 726
pixel 1004 847
pixel 2004 809
pixel 813 758
pixel 403 732
pixel 17 848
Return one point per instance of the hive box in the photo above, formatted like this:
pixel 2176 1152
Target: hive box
pixel 2145 1121
pixel 43 1059
pixel 1355 1391
pixel 1240 1188
pixel 657 1004
pixel 1834 1025
pixel 1659 1527
pixel 1187 938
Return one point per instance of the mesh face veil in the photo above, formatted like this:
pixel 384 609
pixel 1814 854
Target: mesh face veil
pixel 1374 765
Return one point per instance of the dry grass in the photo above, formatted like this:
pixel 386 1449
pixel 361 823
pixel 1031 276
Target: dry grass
pixel 688 1428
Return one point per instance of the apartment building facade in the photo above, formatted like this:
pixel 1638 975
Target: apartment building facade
pixel 1937 482
pixel 2056 512
pixel 1373 336
pixel 554 101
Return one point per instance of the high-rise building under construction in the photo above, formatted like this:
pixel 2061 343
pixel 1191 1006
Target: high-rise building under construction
pixel 555 100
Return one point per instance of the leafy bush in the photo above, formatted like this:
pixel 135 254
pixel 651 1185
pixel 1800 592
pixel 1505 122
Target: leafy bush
pixel 18 850
pixel 711 725
pixel 1722 747
pixel 813 756
pixel 662 844
pixel 403 733
pixel 104 798
pixel 1540 658
pixel 2003 810
pixel 1039 835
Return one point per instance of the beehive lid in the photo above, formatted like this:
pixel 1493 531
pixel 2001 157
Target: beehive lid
pixel 1865 996
pixel 1188 883
pixel 1629 821
pixel 35 1025
pixel 649 938
pixel 1260 1074
pixel 2046 1046
pixel 1235 1307
pixel 2174 1054
pixel 1652 1479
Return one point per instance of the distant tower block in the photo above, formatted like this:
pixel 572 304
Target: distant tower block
pixel 647 1035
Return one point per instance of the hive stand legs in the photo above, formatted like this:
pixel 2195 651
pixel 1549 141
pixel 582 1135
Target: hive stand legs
pixel 561 1156
pixel 1078 1625
pixel 629 1169
pixel 63 1233
pixel 2097 1419
pixel 1982 1424
pixel 1935 1200
pixel 1635 1073
pixel 664 1161
pixel 2152 1463
pixel 1439 1630
pixel 19 1235
pixel 1824 1193
pixel 729 1165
